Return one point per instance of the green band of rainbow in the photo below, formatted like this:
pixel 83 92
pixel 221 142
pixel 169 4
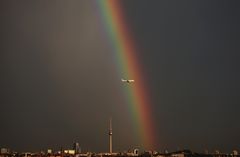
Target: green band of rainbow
pixel 129 67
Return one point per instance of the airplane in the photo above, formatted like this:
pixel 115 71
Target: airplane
pixel 128 81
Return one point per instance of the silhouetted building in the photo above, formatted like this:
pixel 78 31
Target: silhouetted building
pixel 5 151
pixel 76 147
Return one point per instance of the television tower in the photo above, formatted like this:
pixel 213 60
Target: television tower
pixel 110 136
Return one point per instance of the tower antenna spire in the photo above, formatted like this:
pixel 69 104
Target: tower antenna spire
pixel 110 135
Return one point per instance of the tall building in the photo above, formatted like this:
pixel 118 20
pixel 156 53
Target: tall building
pixel 110 136
pixel 76 147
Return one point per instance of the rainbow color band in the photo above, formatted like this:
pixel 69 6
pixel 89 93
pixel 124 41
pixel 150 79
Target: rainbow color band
pixel 123 46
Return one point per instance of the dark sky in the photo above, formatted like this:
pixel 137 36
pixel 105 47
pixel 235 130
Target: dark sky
pixel 59 82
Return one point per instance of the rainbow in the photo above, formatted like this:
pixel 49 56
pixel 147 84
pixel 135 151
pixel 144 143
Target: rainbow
pixel 129 67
